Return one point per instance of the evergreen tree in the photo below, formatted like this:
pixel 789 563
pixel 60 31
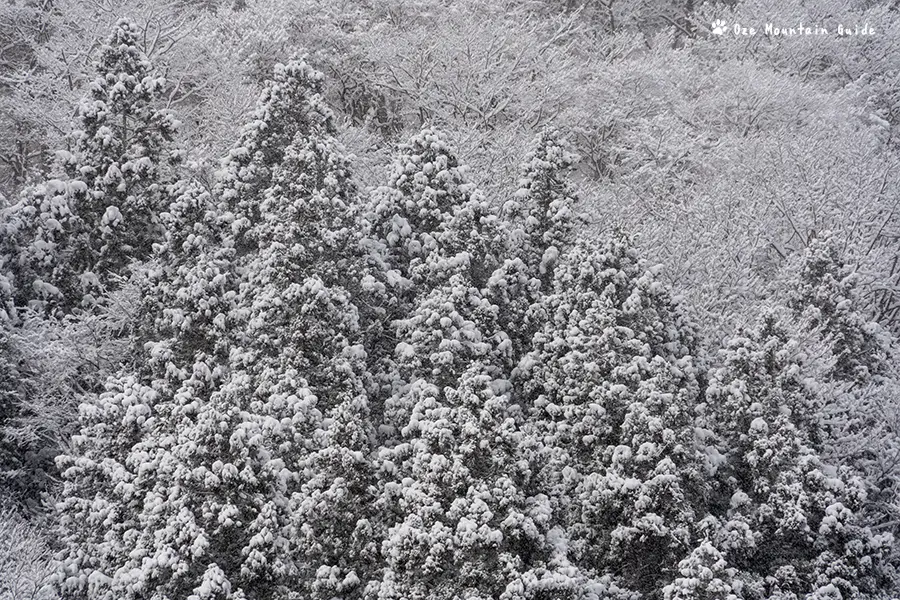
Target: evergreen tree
pixel 611 387
pixel 10 403
pixel 427 226
pixel 455 490
pixel 860 375
pixel 192 288
pixel 27 450
pixel 704 576
pixel 773 371
pixel 464 522
pixel 410 218
pixel 26 457
pixel 73 235
pixel 540 222
pixel 825 297
pixel 542 209
pixel 299 288
pixel 453 485
pixel 7 308
pixel 790 522
pixel 249 456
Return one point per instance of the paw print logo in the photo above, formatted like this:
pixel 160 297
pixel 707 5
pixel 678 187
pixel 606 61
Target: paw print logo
pixel 719 27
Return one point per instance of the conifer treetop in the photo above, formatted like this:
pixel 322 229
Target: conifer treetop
pixel 825 296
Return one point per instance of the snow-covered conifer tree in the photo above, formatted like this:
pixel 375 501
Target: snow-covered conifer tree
pixel 825 296
pixel 542 209
pixel 611 387
pixel 298 290
pixel 76 232
pixel 428 188
pixel 539 223
pixel 704 576
pixel 454 485
pixel 10 405
pixel 193 286
pixel 429 225
pixel 250 437
pixel 773 372
pixel 25 454
pixel 455 490
pixel 790 522
pixel 860 375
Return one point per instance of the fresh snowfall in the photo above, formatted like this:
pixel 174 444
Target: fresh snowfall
pixel 434 300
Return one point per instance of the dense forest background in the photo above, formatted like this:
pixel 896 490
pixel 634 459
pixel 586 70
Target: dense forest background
pixel 433 299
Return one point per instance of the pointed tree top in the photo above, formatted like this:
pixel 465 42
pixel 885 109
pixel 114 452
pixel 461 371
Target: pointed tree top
pixel 549 156
pixel 543 205
pixel 290 105
pixel 120 55
pixel 821 259
pixel 428 161
pixel 285 101
pixel 124 33
pixel 824 294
